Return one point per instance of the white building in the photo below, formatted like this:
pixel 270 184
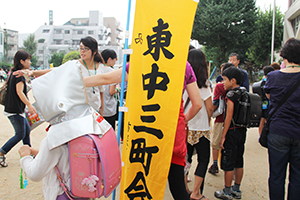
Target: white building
pixel 52 38
pixel 292 21
pixel 10 38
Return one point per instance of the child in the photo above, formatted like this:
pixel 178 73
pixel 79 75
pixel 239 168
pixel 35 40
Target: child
pixel 233 138
pixel 219 122
pixel 265 100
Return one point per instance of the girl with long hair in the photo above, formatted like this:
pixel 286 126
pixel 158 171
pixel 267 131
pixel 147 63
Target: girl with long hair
pixel 199 128
pixel 15 102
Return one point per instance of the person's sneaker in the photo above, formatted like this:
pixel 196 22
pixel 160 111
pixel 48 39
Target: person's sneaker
pixel 221 195
pixel 213 169
pixel 236 194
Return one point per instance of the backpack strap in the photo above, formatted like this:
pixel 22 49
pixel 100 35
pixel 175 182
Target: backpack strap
pixel 62 184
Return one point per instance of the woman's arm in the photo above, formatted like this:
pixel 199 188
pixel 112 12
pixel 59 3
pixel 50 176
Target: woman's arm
pixel 194 95
pixel 31 72
pixel 40 72
pixel 209 107
pixel 105 79
pixel 19 89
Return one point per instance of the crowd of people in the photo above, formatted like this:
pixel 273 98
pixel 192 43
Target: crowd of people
pixel 196 132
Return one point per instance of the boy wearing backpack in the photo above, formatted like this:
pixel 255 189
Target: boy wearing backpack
pixel 233 138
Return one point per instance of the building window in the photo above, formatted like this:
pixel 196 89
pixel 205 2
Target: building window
pixel 67 31
pixel 66 42
pixel 295 24
pixel 91 32
pixel 58 42
pixel 58 31
pixel 75 42
pixel 78 22
pixel 46 30
pixel 41 51
pixel 1 38
pixel 79 32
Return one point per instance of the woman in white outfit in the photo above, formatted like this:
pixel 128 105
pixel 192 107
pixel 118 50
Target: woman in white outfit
pixel 199 128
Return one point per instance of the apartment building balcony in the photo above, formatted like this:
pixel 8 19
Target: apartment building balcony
pixel 58 36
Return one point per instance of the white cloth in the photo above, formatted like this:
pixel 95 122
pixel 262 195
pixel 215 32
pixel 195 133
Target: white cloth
pixel 61 96
pixel 200 122
pixel 68 130
pixel 94 98
pixel 42 167
pixel 110 103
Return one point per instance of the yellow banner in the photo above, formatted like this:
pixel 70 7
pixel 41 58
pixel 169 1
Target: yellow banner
pixel 160 43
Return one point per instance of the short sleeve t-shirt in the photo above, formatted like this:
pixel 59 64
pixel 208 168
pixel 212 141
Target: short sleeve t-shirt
pixel 94 92
pixel 200 122
pixel 285 121
pixel 219 91
pixel 13 103
pixel 110 103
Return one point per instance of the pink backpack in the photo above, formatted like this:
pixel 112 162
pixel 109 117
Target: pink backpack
pixel 95 166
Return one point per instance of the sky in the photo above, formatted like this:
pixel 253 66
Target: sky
pixel 28 16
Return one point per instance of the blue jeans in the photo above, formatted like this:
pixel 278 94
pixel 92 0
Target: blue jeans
pixel 283 150
pixel 22 131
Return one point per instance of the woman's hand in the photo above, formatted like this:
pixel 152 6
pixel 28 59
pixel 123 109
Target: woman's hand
pixel 25 151
pixel 31 109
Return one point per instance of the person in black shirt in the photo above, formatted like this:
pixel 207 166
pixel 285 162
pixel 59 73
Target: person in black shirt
pixel 15 102
pixel 233 138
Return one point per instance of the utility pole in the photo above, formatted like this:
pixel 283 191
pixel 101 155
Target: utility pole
pixel 273 33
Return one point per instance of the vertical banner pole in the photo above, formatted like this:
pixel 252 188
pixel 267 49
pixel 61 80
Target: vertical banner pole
pixel 123 81
pixel 160 43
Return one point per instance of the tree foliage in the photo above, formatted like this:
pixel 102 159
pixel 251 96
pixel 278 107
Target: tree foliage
pixel 57 59
pixel 72 55
pixel 5 65
pixel 227 25
pixel 30 45
pixel 260 52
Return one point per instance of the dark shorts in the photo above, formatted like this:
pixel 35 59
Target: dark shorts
pixel 232 155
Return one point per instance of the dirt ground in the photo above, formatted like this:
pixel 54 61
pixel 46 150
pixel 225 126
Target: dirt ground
pixel 254 184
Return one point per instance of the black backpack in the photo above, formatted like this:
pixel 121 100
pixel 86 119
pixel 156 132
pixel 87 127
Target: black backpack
pixel 249 109
pixel 258 88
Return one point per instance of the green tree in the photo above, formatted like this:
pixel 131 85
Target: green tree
pixel 72 55
pixel 260 52
pixel 57 59
pixel 31 46
pixel 5 65
pixel 227 25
